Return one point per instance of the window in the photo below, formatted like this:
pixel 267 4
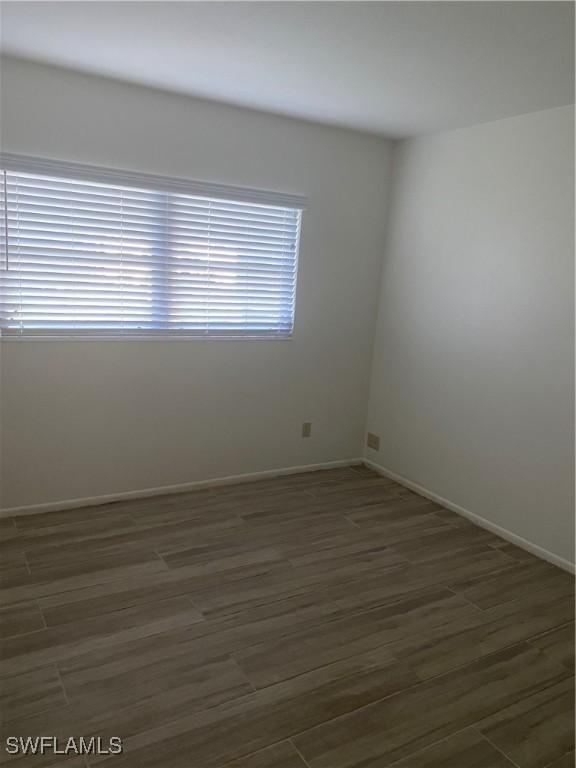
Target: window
pixel 88 252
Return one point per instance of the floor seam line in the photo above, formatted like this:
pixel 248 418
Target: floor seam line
pixel 59 673
pixel 496 747
pixel 430 746
pixel 306 763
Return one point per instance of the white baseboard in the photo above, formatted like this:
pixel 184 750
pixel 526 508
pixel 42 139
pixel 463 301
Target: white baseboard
pixel 93 501
pixel 163 490
pixel 504 533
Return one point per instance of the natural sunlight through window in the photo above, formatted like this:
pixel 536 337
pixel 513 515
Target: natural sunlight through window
pixel 92 253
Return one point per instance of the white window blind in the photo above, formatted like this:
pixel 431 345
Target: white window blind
pixel 85 255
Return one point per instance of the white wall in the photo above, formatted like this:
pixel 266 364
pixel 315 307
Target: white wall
pixel 472 387
pixel 82 419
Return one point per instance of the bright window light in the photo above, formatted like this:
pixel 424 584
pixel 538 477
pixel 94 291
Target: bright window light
pixel 87 258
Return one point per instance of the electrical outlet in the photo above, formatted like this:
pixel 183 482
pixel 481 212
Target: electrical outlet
pixel 306 429
pixel 373 441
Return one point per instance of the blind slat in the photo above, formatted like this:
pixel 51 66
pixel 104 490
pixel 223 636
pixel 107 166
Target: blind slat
pixel 88 258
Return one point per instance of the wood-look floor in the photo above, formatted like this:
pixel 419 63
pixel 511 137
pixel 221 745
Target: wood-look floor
pixel 330 620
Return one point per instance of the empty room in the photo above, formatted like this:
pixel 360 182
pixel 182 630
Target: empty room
pixel 287 384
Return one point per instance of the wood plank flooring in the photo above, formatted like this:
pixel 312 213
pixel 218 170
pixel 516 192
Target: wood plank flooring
pixel 326 620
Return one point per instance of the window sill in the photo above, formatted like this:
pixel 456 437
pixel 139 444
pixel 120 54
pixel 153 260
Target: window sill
pixel 141 337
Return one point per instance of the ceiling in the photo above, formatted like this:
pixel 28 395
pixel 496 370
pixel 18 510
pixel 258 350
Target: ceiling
pixel 394 68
